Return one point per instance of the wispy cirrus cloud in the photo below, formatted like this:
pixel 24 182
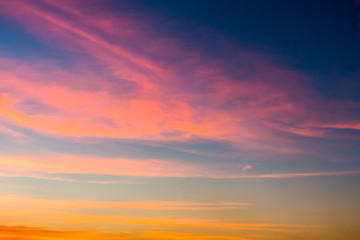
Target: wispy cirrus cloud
pixel 170 110
pixel 14 135
pixel 42 167
pixel 107 166
pixel 153 99
pixel 91 215
pixel 9 201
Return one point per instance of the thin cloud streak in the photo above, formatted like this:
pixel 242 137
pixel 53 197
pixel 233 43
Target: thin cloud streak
pixel 25 233
pixel 297 175
pixel 26 167
pixel 36 203
pixel 53 213
pixel 195 223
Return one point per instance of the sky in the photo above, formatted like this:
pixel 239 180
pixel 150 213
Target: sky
pixel 167 120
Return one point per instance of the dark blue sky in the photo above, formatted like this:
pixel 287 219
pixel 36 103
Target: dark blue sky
pixel 320 38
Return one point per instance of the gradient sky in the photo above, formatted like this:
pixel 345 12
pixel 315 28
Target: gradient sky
pixel 167 120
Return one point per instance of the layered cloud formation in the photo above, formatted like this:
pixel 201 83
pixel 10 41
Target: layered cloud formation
pixel 130 80
pixel 115 93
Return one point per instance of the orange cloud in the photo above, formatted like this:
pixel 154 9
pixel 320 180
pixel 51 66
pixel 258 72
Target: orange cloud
pixel 69 215
pixel 173 236
pixel 77 214
pixel 6 109
pixel 247 167
pixel 193 223
pixel 26 233
pixel 9 201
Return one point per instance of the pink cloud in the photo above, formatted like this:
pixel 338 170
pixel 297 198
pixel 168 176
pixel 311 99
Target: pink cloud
pixel 155 100
pixel 27 166
pixel 247 167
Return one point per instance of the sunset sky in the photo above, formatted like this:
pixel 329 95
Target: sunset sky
pixel 179 119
